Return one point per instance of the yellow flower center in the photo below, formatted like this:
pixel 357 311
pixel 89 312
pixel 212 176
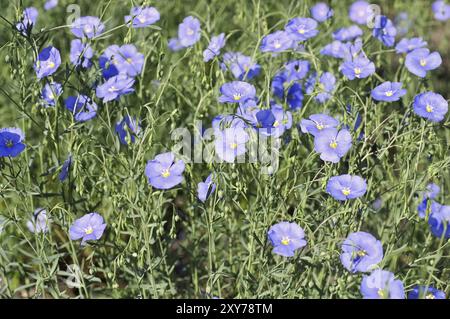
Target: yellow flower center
pixel 276 123
pixel 423 62
pixel 112 89
pixel 88 230
pixel 346 191
pixel 319 126
pixel 130 60
pixel 190 31
pixel 237 97
pixel 165 173
pixel 285 241
pixel 357 71
pixel 389 93
pixel 9 143
pixel 430 296
pixel 233 146
pixel 361 253
pixel 277 45
pixel 381 293
pixel 333 144
pixel 51 64
pixel 301 31
pixel 429 108
pixel 141 19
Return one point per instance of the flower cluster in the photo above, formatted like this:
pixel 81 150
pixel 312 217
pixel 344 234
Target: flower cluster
pixel 298 91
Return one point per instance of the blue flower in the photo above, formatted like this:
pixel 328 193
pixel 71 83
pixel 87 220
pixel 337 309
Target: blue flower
pixel 108 63
pixel 128 129
pixel 432 190
pixel 189 31
pixel 353 50
pixel 278 84
pixel 377 204
pixel 115 87
pixel 422 208
pixel 384 30
pixel 273 122
pixel 420 61
pixel 310 83
pixel 441 10
pixel 358 122
pixel 221 122
pixel 346 187
pixel 11 142
pixel 65 169
pixel 296 70
pixel 388 92
pixel 347 34
pixel 295 96
pixel 216 43
pixel 206 188
pixel 89 227
pixel 424 292
pixel 87 27
pixel 439 220
pixel 141 17
pixel 242 66
pixel 129 60
pixel 50 4
pixel 81 54
pixel 335 49
pixel 317 123
pixel 39 223
pixel 431 106
pixel 327 83
pixel 264 119
pixel 29 18
pixel 50 93
pixel 381 284
pixel 230 143
pixel 301 29
pixel 321 12
pixel 125 60
pixel 359 68
pixel 360 12
pixel 47 63
pixel 286 238
pixel 408 45
pixel 402 23
pixel 431 193
pixel 236 92
pixel 247 111
pixel 174 44
pixel 361 252
pixel 277 41
pixel 82 107
pixel 332 144
pixel 163 172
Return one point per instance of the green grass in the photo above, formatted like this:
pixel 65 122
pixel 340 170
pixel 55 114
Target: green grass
pixel 167 244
